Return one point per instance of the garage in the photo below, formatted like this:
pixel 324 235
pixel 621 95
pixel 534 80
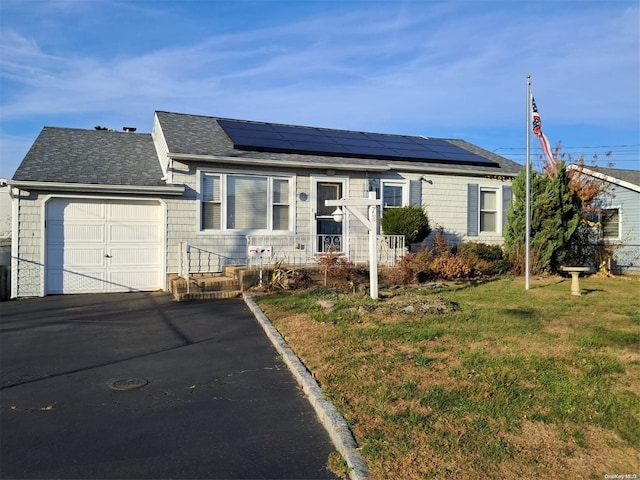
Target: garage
pixel 102 246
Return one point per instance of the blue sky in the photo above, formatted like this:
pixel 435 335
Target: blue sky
pixel 453 69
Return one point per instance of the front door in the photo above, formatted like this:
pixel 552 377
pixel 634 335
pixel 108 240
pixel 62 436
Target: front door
pixel 328 231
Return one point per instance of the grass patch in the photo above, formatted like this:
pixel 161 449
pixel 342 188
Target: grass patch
pixel 481 380
pixel 606 337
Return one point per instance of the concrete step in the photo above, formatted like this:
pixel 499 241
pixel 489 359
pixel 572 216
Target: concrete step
pixel 218 295
pixel 217 284
pixel 227 284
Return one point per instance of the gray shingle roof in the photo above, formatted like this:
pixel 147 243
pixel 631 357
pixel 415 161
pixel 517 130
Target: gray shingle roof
pixel 68 155
pixel 629 176
pixel 202 135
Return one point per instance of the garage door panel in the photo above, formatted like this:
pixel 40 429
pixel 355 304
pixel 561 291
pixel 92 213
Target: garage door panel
pixel 76 209
pixel 123 211
pixel 142 279
pixel 134 256
pixel 82 257
pixel 136 233
pixel 78 281
pixel 84 233
pixel 104 246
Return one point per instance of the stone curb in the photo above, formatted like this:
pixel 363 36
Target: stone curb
pixel 331 419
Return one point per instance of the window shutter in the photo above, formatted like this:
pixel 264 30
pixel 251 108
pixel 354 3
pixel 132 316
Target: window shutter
pixel 507 199
pixel 472 210
pixel 415 192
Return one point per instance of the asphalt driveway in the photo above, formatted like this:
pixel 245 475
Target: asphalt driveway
pixel 219 403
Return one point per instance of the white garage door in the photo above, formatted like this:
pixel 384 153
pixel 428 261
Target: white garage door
pixel 103 246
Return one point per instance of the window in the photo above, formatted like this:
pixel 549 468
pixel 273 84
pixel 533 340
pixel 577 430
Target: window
pixel 393 195
pixel 244 202
pixel 280 204
pixel 488 211
pixel 211 203
pixel 611 223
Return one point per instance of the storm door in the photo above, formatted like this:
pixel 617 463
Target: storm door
pixel 328 231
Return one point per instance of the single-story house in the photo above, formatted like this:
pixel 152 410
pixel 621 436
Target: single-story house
pixel 104 211
pixel 619 215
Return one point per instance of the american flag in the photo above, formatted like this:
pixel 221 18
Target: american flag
pixel 550 162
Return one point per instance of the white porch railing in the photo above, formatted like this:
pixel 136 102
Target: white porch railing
pixel 303 249
pixel 296 250
pixel 192 259
pixel 184 262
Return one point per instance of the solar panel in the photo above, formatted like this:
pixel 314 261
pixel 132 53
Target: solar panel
pixel 268 137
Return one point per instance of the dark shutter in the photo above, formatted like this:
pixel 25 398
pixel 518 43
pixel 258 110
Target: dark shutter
pixel 415 192
pixel 507 198
pixel 472 210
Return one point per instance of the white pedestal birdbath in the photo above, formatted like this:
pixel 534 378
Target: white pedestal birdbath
pixel 575 277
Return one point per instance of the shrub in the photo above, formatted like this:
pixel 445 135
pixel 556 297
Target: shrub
pixel 464 261
pixel 283 278
pixel 411 267
pixel 337 266
pixel 450 266
pixel 440 246
pixel 484 259
pixel 411 221
pixel 482 251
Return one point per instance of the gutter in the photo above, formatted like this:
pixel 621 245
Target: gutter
pixel 95 187
pixel 396 166
pixel 453 171
pixel 280 163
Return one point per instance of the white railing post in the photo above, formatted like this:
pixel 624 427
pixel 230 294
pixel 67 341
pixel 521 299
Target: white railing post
pixel 184 250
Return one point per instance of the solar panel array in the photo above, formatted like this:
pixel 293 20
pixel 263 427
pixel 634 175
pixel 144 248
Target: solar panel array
pixel 269 137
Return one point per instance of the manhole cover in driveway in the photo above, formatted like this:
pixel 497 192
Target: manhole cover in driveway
pixel 128 384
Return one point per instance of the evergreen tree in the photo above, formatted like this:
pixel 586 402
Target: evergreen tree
pixel 555 216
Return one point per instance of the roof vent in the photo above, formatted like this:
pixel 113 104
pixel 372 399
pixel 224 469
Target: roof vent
pixel 129 129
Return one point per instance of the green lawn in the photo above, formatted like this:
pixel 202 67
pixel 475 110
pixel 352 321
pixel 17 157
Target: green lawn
pixel 479 380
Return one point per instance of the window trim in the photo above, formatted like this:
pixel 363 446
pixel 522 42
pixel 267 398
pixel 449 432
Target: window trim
pixel 496 211
pixel 201 202
pixel 504 202
pixel 397 183
pixel 602 211
pixel 224 174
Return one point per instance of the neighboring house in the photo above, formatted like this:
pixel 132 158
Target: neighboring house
pixel 619 215
pixel 5 241
pixel 102 211
pixel 5 212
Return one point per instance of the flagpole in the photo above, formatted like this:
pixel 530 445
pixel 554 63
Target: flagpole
pixel 528 188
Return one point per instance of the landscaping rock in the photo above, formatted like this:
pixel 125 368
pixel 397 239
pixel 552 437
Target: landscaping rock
pixel 327 305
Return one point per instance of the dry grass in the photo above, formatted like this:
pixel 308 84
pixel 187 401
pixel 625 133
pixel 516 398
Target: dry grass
pixel 498 383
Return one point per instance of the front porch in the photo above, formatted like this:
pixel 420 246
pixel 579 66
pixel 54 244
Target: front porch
pixel 203 273
pixel 294 250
